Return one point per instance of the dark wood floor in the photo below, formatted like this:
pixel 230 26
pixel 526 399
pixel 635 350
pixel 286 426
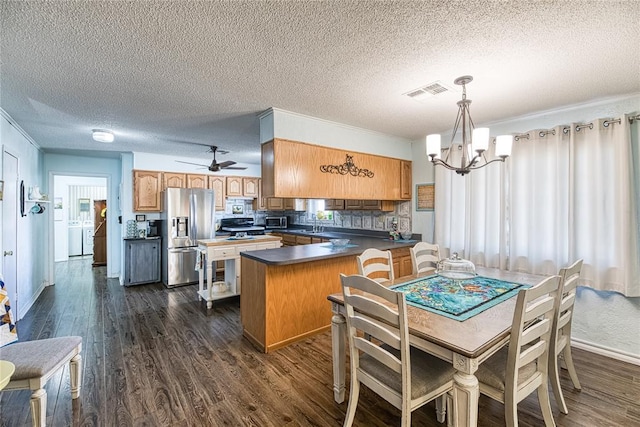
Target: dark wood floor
pixel 158 357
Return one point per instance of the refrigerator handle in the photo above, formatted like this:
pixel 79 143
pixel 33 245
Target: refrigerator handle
pixel 193 212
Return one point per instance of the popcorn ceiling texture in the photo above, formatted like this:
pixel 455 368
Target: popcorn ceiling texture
pixel 162 73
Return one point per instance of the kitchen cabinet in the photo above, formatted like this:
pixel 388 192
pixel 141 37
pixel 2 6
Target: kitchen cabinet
pixel 275 204
pixel 353 204
pixel 401 262
pixel 303 240
pixel 196 181
pixel 218 184
pixel 260 204
pixel 147 191
pixel 293 169
pixel 295 204
pixel 405 180
pixel 234 186
pixel 141 261
pixel 173 180
pixel 250 187
pixel 334 204
pixel 369 205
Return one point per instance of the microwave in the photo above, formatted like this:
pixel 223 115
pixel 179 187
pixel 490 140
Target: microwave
pixel 275 222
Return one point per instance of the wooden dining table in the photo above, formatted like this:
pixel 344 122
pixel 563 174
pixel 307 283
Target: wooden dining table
pixel 465 344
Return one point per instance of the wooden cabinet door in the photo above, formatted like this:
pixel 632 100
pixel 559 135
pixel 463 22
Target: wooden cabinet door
pixel 142 261
pixel 174 180
pixel 250 187
pixel 234 186
pixel 371 205
pixel 405 180
pixel 294 204
pixel 275 204
pixel 147 190
pixel 334 204
pixel 289 240
pixel 218 185
pixel 260 204
pixel 196 181
pixel 303 240
pixel 353 204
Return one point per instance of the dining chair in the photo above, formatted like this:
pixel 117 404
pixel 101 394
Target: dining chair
pixel 516 370
pixel 36 362
pixel 376 264
pixel 402 375
pixel 561 334
pixel 424 256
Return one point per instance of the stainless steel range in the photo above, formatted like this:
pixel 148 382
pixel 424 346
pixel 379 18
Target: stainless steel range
pixel 240 225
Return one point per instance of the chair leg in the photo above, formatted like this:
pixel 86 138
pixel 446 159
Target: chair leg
pixel 354 393
pixel 450 409
pixel 75 373
pixel 554 377
pixel 39 408
pixel 545 405
pixel 568 359
pixel 441 408
pixel 510 412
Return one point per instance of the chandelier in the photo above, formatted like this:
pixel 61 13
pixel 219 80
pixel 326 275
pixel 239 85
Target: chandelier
pixel 475 141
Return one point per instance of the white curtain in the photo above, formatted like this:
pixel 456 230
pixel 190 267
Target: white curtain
pixel 538 200
pixel 564 194
pixel 603 207
pixel 469 212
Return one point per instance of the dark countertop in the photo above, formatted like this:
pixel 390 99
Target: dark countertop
pixel 142 238
pixel 317 251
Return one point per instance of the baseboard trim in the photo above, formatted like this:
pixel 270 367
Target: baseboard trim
pixel 606 351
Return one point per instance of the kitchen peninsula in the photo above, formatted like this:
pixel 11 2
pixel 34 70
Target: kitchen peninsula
pixel 284 294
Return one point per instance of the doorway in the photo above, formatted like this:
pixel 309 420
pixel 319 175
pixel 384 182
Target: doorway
pixel 78 203
pixel 9 228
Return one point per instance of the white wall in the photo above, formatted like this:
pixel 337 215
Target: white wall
pixel 603 321
pixel 108 168
pixel 276 123
pixel 32 230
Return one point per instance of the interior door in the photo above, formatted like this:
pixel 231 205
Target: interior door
pixel 99 232
pixel 9 229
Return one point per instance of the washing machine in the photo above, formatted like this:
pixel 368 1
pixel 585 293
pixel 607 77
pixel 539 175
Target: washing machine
pixel 75 238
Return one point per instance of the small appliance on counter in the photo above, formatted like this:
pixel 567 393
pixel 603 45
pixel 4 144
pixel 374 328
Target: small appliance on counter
pixel 275 222
pixel 240 225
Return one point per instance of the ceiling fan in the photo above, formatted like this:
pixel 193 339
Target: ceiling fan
pixel 215 166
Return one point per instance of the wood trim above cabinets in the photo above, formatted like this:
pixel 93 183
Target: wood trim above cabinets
pixel 291 169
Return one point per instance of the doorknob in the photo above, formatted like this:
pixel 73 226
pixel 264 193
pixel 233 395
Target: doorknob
pixel 6 253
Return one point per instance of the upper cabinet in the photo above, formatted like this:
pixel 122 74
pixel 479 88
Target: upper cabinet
pixel 147 191
pixel 250 187
pixel 234 186
pixel 197 181
pixel 173 180
pixel 238 186
pixel 405 180
pixel 217 184
pixel 292 169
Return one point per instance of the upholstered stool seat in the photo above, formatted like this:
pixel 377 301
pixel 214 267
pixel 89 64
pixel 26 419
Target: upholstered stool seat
pixel 37 361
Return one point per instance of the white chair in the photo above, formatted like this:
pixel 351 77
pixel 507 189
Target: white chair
pixel 376 264
pixel 561 336
pixel 516 371
pixel 37 361
pixel 424 257
pixel 404 376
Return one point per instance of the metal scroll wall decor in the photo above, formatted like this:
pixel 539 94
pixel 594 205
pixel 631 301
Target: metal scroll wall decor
pixel 348 167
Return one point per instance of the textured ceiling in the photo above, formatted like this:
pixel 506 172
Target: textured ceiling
pixel 165 73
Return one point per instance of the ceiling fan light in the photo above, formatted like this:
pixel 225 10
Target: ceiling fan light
pixel 101 135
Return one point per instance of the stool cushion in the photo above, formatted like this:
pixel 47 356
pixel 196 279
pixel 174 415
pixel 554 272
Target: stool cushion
pixel 34 359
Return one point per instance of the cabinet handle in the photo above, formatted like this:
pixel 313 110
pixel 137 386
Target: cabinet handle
pixel 8 253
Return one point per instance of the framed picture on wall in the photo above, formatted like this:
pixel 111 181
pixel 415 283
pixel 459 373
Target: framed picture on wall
pixel 425 197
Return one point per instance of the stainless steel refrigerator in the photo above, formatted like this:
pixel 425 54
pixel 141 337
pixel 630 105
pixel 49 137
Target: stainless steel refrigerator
pixel 189 215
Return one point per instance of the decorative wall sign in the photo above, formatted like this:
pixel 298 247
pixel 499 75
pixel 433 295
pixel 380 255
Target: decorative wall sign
pixel 425 197
pixel 348 167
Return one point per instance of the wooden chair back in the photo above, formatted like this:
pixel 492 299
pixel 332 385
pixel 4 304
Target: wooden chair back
pixel 424 256
pixel 376 264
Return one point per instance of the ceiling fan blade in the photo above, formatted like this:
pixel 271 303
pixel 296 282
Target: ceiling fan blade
pixel 189 163
pixel 235 167
pixel 226 164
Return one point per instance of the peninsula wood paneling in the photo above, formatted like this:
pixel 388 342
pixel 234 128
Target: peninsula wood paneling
pixel 294 298
pixel 292 169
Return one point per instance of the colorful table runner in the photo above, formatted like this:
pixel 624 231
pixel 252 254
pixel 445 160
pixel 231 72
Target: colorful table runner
pixel 457 299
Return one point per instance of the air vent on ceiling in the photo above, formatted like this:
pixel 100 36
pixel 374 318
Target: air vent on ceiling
pixel 425 92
